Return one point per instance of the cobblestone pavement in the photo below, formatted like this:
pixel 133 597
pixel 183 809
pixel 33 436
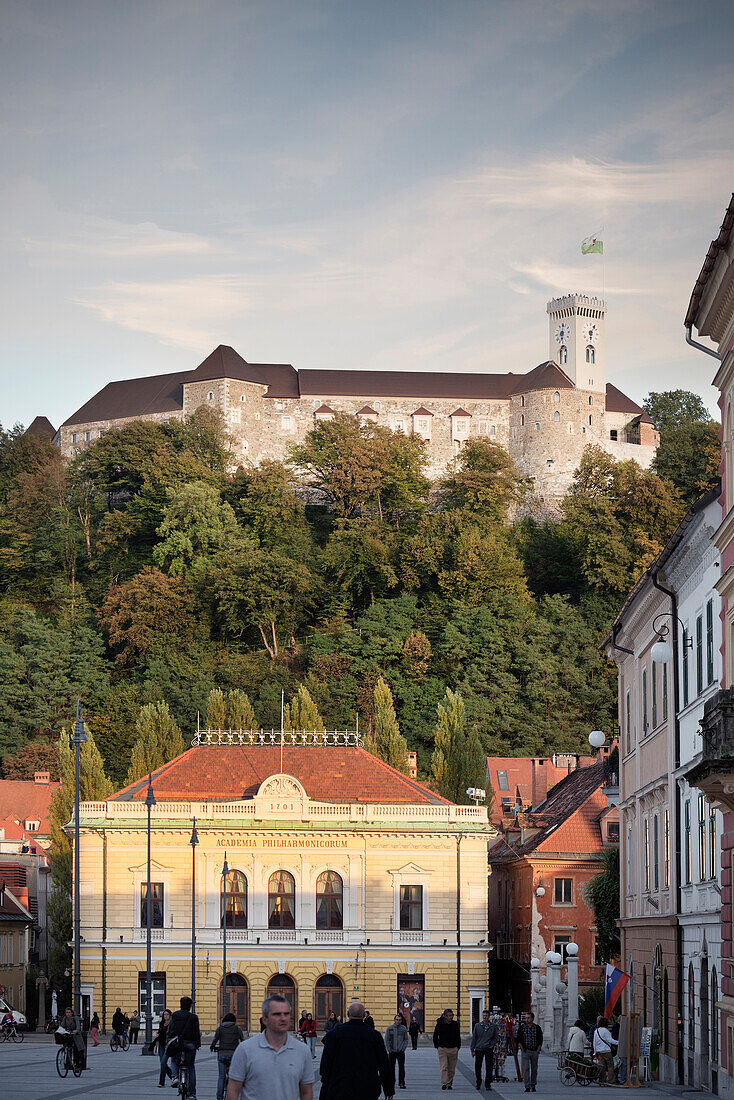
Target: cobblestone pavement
pixel 28 1072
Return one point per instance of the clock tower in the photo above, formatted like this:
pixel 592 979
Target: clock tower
pixel 576 339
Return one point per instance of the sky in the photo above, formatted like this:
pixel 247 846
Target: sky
pixel 366 184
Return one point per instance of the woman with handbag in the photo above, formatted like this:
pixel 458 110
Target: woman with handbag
pixel 160 1042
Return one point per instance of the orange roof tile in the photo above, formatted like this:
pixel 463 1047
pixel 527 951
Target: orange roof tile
pixel 328 773
pixel 24 799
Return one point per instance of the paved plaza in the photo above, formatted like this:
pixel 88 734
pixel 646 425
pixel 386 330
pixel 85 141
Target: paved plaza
pixel 28 1072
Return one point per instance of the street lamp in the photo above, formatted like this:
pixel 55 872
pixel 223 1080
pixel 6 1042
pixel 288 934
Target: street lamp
pixel 79 738
pixel 193 842
pixel 597 738
pixel 150 803
pixel 225 873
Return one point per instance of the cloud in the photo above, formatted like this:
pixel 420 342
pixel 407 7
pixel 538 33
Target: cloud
pixel 115 240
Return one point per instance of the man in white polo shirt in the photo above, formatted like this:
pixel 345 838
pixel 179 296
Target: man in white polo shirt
pixel 273 1065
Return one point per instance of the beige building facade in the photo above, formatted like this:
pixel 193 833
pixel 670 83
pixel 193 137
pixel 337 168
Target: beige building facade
pixel 347 880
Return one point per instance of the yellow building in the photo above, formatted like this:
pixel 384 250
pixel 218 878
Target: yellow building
pixel 16 923
pixel 347 880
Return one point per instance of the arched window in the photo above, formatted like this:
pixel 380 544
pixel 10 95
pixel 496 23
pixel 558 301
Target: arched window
pixel 329 900
pixel 556 397
pixel 211 395
pixel 691 1009
pixel 590 400
pixel 236 901
pixel 522 421
pixel 556 416
pixel 714 1016
pixel 590 353
pixel 537 427
pixel 590 420
pixel 522 402
pixel 563 354
pixel 281 900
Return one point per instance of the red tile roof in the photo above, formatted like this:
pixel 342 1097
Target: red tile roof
pixel 24 799
pixel 328 773
pixel 519 772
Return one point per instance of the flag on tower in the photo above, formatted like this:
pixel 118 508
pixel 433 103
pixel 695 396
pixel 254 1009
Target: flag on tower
pixel 592 244
pixel 616 980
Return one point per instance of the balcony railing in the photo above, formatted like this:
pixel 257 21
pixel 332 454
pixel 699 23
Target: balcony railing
pixel 717 727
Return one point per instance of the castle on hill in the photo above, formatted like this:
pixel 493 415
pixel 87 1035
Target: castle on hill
pixel 544 418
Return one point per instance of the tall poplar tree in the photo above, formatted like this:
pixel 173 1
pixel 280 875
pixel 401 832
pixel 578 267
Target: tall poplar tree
pixel 159 740
pixel 387 741
pixel 216 711
pixel 302 713
pixel 240 715
pixel 458 759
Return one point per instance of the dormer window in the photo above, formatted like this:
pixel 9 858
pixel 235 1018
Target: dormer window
pixel 460 423
pixel 590 353
pixel 563 354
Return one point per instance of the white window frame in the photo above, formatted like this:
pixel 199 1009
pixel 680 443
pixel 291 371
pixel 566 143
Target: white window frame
pixel 411 875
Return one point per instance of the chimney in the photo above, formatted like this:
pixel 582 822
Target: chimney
pixel 413 765
pixel 42 778
pixel 540 782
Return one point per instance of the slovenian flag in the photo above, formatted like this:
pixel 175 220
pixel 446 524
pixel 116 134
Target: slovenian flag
pixel 615 982
pixel 592 244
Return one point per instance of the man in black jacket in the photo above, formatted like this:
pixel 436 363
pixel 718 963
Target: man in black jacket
pixel 184 1025
pixel 354 1062
pixel 447 1041
pixel 529 1041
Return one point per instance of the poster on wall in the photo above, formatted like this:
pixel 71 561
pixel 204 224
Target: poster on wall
pixel 411 998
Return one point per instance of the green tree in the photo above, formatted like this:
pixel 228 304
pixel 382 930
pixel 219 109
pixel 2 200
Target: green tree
pixel 482 479
pixel 689 458
pixel 386 740
pixel 302 713
pixel 93 785
pixel 267 506
pixel 621 516
pixel 216 711
pixel 602 894
pixel 456 762
pixel 159 740
pixel 150 613
pixel 673 408
pixel 240 714
pixel 196 524
pixel 203 434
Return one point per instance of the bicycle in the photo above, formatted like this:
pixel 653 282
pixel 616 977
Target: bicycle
pixel 119 1041
pixel 10 1031
pixel 66 1058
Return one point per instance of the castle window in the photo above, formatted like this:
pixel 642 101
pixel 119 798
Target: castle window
pixel 73 437
pixel 590 420
pixel 614 434
pixel 87 436
pixel 589 354
pixel 522 421
pixel 101 433
pixel 563 354
pixel 493 430
pixel 583 429
pixel 537 427
pixel 522 401
pixel 484 427
pixel 399 425
pixel 211 395
pixel 556 397
pixel 556 416
pixel 287 424
pixel 590 400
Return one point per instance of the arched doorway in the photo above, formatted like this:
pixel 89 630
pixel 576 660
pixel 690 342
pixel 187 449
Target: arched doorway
pixel 237 1000
pixel 328 997
pixel 283 985
pixel 704 1018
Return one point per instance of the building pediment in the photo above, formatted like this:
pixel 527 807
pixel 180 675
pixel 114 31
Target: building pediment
pixel 142 869
pixel 409 869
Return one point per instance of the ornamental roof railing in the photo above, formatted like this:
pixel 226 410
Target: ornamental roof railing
pixel 278 738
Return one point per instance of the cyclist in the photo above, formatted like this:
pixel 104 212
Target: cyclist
pixel 7 1021
pixel 70 1024
pixel 118 1024
pixel 184 1026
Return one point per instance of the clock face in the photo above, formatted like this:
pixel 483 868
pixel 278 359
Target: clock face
pixel 562 333
pixel 591 334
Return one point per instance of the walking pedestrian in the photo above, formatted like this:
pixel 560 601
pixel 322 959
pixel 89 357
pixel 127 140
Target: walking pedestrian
pixel 368 1021
pixel 307 1029
pixel 483 1041
pixel 134 1027
pixel 227 1038
pixel 415 1030
pixel 447 1041
pixel 331 1021
pixel 184 1026
pixel 161 1041
pixel 603 1043
pixel 273 1063
pixel 94 1029
pixel 396 1043
pixel 530 1041
pixel 354 1062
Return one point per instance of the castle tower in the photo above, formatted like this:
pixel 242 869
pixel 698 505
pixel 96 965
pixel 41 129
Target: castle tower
pixel 576 339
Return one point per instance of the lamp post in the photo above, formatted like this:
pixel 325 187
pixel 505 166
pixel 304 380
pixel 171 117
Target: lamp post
pixel 193 842
pixel 79 738
pixel 225 873
pixel 150 803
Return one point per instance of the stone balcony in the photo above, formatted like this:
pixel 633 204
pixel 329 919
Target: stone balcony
pixel 712 772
